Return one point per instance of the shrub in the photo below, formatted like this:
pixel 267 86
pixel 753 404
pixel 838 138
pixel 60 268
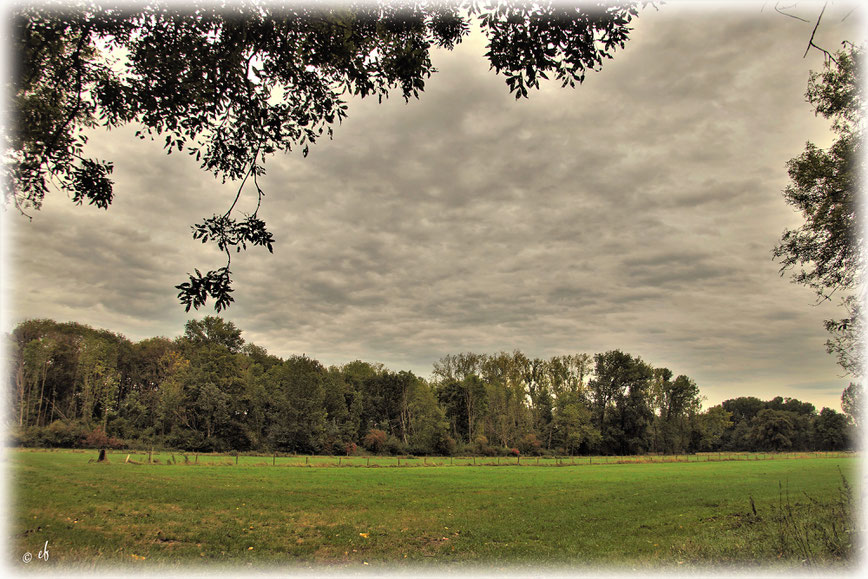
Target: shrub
pixel 375 440
pixel 480 446
pixel 186 439
pixel 97 438
pixel 394 446
pixel 464 449
pixel 63 433
pixel 529 444
pixel 445 445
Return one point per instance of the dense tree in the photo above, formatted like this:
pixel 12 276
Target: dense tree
pixel 633 412
pixel 208 390
pixel 297 416
pixel 679 404
pixel 67 371
pixel 619 394
pixel 98 380
pixel 232 85
pixel 773 430
pixel 831 431
pixel 744 408
pixel 213 388
pixel 826 250
pixel 170 404
pixel 711 426
pixel 428 427
pixel 573 430
pixel 852 403
pixel 507 392
pixel 214 330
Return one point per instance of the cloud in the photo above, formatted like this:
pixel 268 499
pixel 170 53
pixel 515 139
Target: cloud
pixel 637 212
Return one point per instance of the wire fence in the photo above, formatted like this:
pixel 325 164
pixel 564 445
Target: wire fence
pixel 377 461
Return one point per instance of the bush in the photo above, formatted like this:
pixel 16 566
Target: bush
pixel 62 433
pixel 480 446
pixel 185 439
pixel 445 445
pixel 394 446
pixel 464 449
pixel 97 438
pixel 529 444
pixel 375 440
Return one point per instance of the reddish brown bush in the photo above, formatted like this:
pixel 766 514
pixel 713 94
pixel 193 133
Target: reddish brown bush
pixel 375 440
pixel 97 438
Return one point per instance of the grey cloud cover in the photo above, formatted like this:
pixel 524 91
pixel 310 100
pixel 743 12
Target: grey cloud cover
pixel 637 211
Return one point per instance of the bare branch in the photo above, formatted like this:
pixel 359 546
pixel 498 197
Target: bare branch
pixel 780 11
pixel 828 55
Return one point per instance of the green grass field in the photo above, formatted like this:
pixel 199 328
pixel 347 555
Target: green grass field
pixel 275 511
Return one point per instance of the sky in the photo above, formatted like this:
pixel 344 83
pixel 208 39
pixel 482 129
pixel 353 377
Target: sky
pixel 637 212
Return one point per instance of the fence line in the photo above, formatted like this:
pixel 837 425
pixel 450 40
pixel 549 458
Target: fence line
pixel 407 461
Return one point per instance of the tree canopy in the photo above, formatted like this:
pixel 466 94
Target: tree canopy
pixel 208 390
pixel 826 251
pixel 233 85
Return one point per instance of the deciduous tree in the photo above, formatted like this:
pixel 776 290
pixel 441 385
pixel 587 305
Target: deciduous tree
pixel 826 251
pixel 852 403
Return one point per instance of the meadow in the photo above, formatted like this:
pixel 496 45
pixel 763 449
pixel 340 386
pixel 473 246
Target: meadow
pixel 177 510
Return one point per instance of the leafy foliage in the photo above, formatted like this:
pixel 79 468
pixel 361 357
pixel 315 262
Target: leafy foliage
pixel 827 249
pixel 527 41
pixel 210 390
pixel 233 85
pixel 852 403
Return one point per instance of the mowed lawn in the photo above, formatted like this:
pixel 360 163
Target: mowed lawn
pixel 100 514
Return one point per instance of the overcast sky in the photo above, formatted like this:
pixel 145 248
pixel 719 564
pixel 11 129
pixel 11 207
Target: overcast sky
pixel 636 212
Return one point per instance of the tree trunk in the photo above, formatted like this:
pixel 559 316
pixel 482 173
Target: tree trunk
pixel 22 398
pixel 39 420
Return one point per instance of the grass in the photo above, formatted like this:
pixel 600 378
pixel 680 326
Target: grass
pixel 638 514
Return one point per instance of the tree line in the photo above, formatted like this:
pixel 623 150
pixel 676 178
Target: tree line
pixel 209 390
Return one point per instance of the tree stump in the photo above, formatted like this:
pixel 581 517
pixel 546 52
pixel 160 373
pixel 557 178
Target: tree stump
pixel 101 455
